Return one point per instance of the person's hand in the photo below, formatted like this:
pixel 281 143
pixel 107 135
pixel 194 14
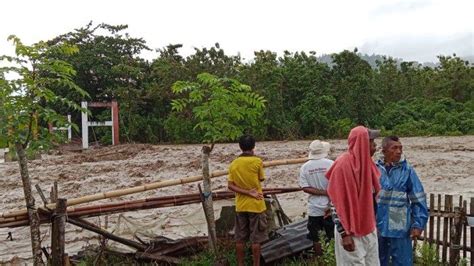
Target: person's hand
pixel 255 194
pixel 348 243
pixel 415 233
pixel 327 212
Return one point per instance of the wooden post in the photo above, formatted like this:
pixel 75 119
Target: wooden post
pixel 438 225
pixel 444 252
pixel 209 208
pixel 206 214
pixel 471 213
pixel 456 231
pixel 464 231
pixel 40 192
pixel 431 220
pixel 57 236
pixel 53 195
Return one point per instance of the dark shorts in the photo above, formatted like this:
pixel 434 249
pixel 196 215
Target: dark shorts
pixel 317 224
pixel 251 226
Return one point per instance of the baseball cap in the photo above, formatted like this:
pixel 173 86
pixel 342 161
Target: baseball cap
pixel 373 133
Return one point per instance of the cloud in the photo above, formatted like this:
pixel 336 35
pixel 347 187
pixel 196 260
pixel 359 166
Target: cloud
pixel 401 7
pixel 423 48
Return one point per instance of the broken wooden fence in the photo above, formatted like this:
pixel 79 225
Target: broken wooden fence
pixel 448 228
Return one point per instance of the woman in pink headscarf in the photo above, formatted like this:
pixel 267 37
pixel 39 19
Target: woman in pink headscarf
pixel 353 178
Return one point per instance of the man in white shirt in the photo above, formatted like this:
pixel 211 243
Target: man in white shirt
pixel 313 181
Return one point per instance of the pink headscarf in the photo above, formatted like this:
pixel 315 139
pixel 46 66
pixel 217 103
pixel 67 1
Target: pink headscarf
pixel 352 179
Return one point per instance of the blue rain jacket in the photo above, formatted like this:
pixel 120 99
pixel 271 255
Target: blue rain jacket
pixel 401 204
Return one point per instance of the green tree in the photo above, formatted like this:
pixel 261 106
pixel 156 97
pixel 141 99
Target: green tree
pixel 388 81
pixel 455 78
pixel 306 93
pixel 264 76
pixel 353 88
pixel 25 109
pixel 108 66
pixel 168 68
pixel 224 109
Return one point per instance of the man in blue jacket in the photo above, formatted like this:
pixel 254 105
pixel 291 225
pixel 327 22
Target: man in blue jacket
pixel 402 211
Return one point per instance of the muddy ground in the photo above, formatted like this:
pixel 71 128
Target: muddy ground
pixel 444 164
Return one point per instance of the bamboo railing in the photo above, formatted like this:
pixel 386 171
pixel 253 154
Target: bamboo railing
pixel 133 205
pixel 150 186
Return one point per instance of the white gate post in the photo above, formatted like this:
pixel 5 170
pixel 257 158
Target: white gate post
pixel 85 127
pixel 69 128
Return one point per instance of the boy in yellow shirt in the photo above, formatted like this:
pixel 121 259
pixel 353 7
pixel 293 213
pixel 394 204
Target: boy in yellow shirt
pixel 245 176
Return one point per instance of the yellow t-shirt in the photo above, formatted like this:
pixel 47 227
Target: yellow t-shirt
pixel 246 172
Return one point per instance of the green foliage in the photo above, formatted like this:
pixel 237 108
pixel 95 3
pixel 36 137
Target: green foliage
pixel 26 98
pixel 426 117
pixel 353 87
pixel 342 127
pixel 316 113
pixel 307 96
pixel 225 254
pixel 427 255
pixel 108 258
pixel 328 258
pixel 223 108
pixel 181 129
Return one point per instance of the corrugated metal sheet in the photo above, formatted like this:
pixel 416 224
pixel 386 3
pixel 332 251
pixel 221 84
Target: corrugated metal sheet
pixel 292 239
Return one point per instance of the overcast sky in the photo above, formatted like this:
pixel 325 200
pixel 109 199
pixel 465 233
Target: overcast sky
pixel 412 30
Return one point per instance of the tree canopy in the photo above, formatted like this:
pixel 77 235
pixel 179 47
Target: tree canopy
pixel 307 95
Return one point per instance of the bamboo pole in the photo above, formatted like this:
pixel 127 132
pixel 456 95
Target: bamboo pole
pixel 150 186
pixel 141 204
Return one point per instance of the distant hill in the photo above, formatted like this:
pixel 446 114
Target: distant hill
pixel 372 59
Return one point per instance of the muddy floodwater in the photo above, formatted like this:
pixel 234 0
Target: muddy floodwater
pixel 444 164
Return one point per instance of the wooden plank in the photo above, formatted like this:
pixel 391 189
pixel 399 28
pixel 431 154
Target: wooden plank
pixel 40 192
pixel 160 258
pixel 431 219
pixel 438 226
pixel 443 215
pixel 94 228
pixel 444 253
pixel 456 231
pixel 464 231
pixel 53 195
pixel 421 238
pixel 471 212
pixel 99 104
pixel 450 223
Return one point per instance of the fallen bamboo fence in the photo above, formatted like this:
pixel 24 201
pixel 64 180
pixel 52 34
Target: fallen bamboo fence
pixel 448 228
pixel 150 186
pixel 133 205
